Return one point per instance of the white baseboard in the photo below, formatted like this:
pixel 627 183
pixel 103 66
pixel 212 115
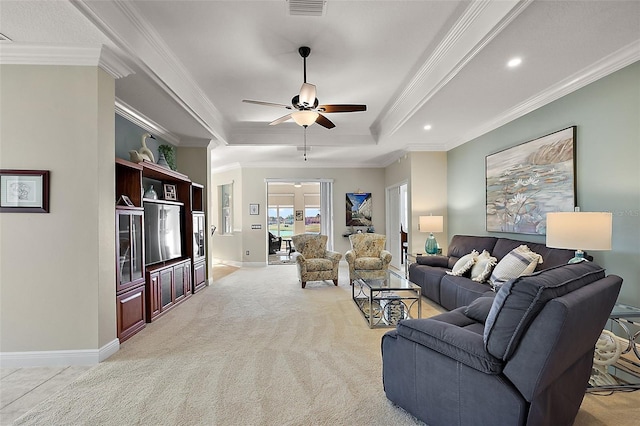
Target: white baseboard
pixel 58 358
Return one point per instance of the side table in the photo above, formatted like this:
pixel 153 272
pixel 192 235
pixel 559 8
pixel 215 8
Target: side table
pixel 624 373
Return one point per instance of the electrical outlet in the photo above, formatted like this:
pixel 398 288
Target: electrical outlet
pixel 247 253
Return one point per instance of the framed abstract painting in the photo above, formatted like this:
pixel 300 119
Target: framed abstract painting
pixel 525 182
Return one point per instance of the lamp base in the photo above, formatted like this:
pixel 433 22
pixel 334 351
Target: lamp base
pixel 578 257
pixel 431 245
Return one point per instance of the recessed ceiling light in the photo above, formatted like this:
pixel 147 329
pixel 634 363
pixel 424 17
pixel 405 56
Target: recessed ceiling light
pixel 514 62
pixel 427 127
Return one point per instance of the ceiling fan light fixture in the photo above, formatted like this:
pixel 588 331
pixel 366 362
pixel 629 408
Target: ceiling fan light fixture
pixel 304 118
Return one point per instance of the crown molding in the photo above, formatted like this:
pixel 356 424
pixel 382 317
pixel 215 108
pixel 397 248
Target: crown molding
pixel 125 26
pixel 480 23
pixel 69 55
pixel 602 68
pixel 136 117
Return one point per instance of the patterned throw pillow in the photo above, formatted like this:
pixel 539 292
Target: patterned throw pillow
pixel 464 264
pixel 519 261
pixel 484 265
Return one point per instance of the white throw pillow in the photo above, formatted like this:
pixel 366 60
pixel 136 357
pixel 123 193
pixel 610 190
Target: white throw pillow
pixel 519 261
pixel 464 264
pixel 483 267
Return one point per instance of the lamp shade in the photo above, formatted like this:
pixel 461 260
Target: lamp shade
pixel 431 223
pixel 304 118
pixel 307 95
pixel 579 230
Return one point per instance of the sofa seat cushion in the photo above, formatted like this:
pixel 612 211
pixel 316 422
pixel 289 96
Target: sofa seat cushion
pixel 519 301
pixel 368 263
pixel 455 335
pixel 456 292
pixel 314 265
pixel 428 278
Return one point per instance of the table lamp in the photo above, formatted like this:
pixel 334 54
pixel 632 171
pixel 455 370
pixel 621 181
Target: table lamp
pixel 579 231
pixel 431 224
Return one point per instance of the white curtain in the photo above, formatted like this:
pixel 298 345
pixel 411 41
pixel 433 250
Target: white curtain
pixel 326 212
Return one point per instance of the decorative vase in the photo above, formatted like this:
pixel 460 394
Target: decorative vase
pixel 151 193
pixel 163 161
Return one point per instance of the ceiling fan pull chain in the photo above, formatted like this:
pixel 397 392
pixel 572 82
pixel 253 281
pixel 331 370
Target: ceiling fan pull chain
pixel 305 143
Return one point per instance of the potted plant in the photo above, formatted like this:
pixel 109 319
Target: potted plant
pixel 169 153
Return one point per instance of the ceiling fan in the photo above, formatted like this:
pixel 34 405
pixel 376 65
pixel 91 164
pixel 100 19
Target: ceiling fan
pixel 305 105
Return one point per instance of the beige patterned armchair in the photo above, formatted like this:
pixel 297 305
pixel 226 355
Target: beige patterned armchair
pixel 314 261
pixel 367 256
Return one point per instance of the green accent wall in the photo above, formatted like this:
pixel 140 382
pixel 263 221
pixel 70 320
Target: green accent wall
pixel 607 116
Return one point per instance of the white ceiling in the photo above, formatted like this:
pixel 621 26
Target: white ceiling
pixel 411 62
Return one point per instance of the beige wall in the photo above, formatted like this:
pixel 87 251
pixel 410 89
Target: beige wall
pixel 427 195
pixel 226 248
pixel 57 270
pixel 196 163
pixel 253 190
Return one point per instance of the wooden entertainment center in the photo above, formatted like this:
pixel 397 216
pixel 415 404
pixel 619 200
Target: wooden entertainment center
pixel 146 292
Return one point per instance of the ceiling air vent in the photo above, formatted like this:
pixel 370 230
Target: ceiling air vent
pixel 307 7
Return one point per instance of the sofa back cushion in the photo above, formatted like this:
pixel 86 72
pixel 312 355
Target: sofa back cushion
pixel 461 245
pixel 552 256
pixel 520 300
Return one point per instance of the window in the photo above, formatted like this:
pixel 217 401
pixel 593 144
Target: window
pixel 281 220
pixel 226 203
pixel 312 219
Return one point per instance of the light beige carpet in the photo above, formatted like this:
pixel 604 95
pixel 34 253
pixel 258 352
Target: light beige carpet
pixel 252 349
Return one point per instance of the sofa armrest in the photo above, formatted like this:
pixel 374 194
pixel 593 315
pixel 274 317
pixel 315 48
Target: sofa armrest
pixel 440 261
pixel 451 340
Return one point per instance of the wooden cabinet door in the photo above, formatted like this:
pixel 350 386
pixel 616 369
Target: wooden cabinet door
pixel 130 312
pixel 153 288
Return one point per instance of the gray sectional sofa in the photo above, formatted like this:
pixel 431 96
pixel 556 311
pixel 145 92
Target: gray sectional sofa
pixel 521 356
pixel 451 292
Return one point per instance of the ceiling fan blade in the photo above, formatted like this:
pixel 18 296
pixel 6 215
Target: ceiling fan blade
pixel 307 95
pixel 267 104
pixel 325 122
pixel 280 120
pixel 341 108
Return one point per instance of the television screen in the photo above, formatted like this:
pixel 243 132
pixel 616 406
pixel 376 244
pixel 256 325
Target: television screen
pixel 163 233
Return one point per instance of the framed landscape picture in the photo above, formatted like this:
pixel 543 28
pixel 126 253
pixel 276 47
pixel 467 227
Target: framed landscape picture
pixel 358 209
pixel 525 182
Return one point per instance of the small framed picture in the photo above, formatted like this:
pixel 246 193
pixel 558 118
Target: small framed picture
pixel 299 215
pixel 254 209
pixel 24 191
pixel 125 201
pixel 169 192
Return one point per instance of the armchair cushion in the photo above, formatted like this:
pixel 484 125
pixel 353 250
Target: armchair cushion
pixel 314 248
pixel 317 264
pixel 519 301
pixel 454 335
pixel 368 263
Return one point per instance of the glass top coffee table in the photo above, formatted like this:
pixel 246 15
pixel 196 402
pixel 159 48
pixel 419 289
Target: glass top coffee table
pixel 386 300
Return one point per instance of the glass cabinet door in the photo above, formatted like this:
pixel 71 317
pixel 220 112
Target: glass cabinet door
pixel 130 251
pixel 198 236
pixel 124 242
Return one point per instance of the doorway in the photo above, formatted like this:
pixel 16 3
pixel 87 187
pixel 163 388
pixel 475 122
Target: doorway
pixel 397 223
pixel 296 207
